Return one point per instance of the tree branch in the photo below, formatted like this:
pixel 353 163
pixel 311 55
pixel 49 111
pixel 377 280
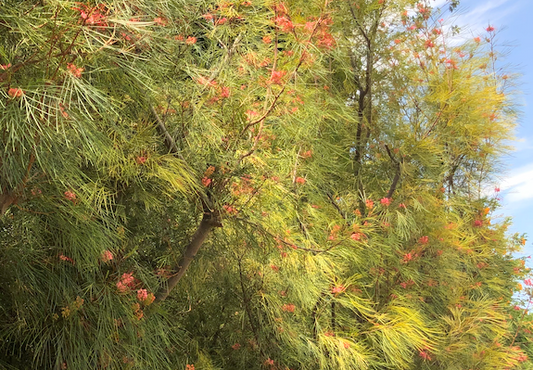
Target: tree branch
pixel 6 200
pixel 209 221
pixel 396 178
pixel 169 140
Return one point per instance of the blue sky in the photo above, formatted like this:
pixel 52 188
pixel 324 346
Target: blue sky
pixel 512 20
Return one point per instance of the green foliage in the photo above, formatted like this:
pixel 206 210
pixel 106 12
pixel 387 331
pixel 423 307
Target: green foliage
pixel 323 167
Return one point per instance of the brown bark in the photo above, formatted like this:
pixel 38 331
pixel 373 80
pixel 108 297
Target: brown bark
pixel 169 140
pixel 209 221
pixel 397 164
pixel 6 200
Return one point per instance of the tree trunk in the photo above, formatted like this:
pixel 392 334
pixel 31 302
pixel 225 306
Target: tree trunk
pixel 6 200
pixel 209 221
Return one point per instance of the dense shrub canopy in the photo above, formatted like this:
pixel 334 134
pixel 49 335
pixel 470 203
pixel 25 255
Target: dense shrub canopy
pixel 253 185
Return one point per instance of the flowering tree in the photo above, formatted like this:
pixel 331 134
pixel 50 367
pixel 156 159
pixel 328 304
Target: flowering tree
pixel 252 184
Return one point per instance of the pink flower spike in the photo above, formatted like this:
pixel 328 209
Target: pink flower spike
pixel 224 92
pixel 76 72
pixel 490 28
pixel 122 288
pixel 160 21
pixel 70 195
pixel 276 77
pixel 338 289
pixel 15 93
pixel 142 294
pixel 407 257
pixel 288 307
pixel 107 256
pixel 65 258
pixel 127 278
pixel 385 201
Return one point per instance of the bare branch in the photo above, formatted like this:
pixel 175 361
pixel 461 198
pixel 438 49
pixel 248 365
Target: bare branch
pixel 209 221
pixel 169 140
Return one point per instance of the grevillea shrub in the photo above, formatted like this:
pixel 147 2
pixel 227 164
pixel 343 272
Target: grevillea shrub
pixel 253 185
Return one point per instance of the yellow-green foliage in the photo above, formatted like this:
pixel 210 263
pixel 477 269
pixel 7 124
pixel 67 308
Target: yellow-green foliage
pixel 339 151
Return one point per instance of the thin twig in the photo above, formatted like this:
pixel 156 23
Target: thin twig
pixel 169 140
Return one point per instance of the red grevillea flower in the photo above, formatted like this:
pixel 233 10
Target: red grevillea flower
pixel 160 21
pixel 284 23
pixel 67 259
pixel 127 278
pixel 425 355
pixel 267 362
pixel 15 92
pixel 126 282
pixel 107 256
pixel 224 92
pixel 142 294
pixel 385 201
pixel 76 72
pixel 122 288
pixel 70 195
pixel 407 257
pixel 277 76
pixel 222 21
pixel 288 307
pixel 149 299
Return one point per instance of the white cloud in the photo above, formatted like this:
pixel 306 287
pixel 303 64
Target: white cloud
pixel 478 18
pixel 474 16
pixel 521 192
pixel 519 185
pixel 439 3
